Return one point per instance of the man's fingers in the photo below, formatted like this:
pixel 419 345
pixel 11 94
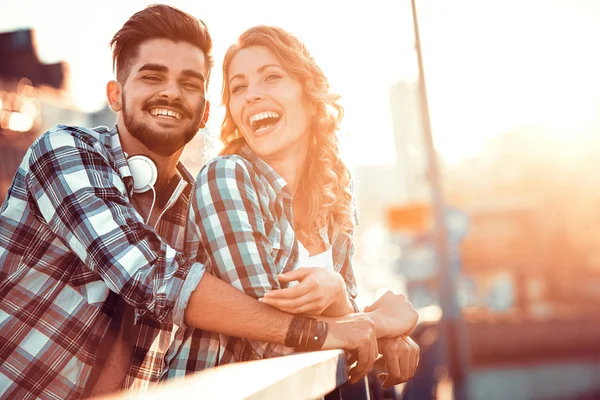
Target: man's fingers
pixel 393 366
pixel 383 377
pixel 370 354
pixel 380 363
pixel 366 358
pixel 416 355
pixel 352 359
pixel 362 367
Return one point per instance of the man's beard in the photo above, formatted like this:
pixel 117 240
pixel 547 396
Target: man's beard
pixel 156 141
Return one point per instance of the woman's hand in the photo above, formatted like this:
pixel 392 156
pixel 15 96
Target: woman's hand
pixel 320 291
pixel 393 315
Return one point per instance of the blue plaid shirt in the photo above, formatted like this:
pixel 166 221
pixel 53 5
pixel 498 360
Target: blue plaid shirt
pixel 241 213
pixel 72 247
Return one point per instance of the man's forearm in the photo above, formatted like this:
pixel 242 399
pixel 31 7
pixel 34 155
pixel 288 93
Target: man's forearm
pixel 218 307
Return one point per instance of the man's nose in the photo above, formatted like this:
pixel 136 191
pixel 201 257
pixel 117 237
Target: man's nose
pixel 171 90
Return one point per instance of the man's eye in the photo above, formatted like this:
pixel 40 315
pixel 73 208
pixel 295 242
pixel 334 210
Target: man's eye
pixel 153 78
pixel 191 85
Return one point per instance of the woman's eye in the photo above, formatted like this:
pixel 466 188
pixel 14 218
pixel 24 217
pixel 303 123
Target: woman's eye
pixel 272 77
pixel 237 89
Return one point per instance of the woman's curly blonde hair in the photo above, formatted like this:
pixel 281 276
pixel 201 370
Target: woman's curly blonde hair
pixel 323 195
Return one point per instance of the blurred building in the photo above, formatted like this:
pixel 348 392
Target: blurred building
pixel 381 188
pixel 535 218
pixel 33 98
pixel 405 181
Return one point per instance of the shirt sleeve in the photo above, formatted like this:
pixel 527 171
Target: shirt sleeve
pixel 226 212
pixel 226 216
pixel 84 202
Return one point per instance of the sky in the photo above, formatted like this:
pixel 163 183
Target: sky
pixel 490 66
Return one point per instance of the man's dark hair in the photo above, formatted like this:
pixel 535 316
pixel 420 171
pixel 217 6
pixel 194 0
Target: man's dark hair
pixel 157 21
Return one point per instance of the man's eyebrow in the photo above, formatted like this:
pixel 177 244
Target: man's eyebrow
pixel 153 67
pixel 161 68
pixel 193 74
pixel 261 69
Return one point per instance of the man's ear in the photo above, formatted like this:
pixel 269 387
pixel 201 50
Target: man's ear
pixel 205 115
pixel 114 95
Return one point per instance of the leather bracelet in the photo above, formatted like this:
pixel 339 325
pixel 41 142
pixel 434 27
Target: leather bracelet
pixel 318 336
pixel 306 334
pixel 294 332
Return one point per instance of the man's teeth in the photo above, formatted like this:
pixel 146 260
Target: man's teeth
pixel 166 113
pixel 263 115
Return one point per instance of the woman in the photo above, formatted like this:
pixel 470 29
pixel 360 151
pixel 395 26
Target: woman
pixel 275 210
pixel 280 124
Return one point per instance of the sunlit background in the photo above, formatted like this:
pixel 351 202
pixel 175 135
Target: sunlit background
pixel 514 96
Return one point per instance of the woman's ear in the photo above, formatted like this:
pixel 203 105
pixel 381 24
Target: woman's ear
pixel 114 95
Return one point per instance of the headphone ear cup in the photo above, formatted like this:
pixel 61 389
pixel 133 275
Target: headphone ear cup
pixel 143 172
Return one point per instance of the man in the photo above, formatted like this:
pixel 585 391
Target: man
pixel 93 281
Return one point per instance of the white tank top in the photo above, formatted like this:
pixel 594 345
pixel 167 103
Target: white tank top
pixel 323 260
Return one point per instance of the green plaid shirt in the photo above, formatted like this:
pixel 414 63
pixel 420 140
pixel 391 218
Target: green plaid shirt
pixel 241 213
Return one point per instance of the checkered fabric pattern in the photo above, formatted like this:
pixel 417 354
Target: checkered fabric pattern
pixel 72 247
pixel 241 213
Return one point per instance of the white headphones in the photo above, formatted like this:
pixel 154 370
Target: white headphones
pixel 143 172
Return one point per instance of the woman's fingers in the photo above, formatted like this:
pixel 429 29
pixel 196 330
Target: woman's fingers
pixel 295 275
pixel 303 304
pixel 290 293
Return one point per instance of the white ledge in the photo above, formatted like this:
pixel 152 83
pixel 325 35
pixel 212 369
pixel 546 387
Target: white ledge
pixel 294 377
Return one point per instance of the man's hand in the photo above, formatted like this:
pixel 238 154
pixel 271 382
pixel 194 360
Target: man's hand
pixel 319 289
pixel 393 314
pixel 357 335
pixel 399 361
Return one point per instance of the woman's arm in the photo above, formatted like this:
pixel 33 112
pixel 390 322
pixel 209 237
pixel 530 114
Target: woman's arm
pixel 227 216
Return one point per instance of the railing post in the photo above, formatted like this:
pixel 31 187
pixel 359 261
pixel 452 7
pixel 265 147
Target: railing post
pixel 452 324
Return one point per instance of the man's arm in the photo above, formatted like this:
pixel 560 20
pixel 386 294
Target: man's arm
pixel 82 199
pixel 218 307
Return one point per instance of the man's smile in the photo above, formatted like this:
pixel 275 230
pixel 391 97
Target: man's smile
pixel 164 113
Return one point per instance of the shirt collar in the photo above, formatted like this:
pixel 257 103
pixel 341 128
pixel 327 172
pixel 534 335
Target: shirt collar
pixel 275 180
